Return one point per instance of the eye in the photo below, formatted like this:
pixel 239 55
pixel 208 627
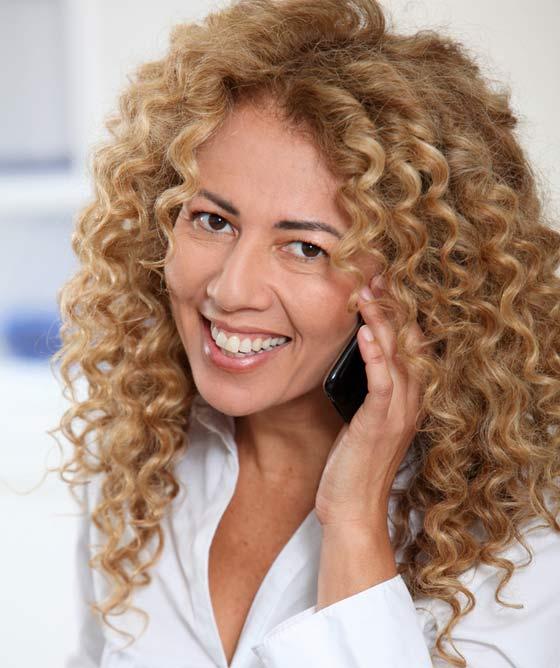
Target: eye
pixel 315 251
pixel 211 221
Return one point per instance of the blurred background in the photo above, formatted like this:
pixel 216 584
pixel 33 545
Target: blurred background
pixel 64 62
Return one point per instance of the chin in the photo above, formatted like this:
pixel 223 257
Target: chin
pixel 234 405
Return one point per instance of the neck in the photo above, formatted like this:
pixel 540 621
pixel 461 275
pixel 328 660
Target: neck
pixel 289 444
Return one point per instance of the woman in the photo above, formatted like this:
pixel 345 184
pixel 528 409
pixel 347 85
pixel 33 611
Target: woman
pixel 281 158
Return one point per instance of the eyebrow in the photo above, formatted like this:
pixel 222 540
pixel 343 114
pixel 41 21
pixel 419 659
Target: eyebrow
pixel 309 225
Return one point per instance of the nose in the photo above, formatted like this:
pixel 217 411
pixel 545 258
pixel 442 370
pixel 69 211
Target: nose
pixel 240 282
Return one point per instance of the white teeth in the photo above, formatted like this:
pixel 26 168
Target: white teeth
pixel 234 344
pixel 221 339
pixel 245 346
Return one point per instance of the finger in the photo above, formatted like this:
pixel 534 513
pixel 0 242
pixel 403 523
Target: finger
pixel 379 381
pixel 378 322
pixel 406 382
pixel 384 333
pixel 406 386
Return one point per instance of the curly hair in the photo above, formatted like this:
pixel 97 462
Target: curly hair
pixel 440 195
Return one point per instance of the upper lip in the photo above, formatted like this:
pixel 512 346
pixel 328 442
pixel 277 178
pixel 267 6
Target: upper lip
pixel 220 324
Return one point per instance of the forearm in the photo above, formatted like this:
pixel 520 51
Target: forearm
pixel 353 559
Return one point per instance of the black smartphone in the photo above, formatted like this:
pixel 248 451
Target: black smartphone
pixel 346 382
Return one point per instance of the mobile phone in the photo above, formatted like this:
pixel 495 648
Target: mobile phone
pixel 346 382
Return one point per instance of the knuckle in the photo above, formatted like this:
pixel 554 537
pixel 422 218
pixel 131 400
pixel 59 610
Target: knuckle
pixel 383 391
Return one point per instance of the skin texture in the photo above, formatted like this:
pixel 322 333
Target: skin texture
pixel 249 274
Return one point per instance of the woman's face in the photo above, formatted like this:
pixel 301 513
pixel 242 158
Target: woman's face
pixel 238 264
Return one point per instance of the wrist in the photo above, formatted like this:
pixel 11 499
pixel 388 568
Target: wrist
pixel 353 558
pixel 367 544
pixel 375 526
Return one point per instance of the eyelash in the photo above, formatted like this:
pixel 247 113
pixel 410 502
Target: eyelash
pixel 195 214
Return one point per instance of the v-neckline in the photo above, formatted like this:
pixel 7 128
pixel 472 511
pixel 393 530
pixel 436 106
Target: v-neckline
pixel 274 581
pixel 302 549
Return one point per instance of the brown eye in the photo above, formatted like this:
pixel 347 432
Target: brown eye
pixel 310 251
pixel 213 224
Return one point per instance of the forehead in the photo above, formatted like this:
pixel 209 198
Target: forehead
pixel 255 159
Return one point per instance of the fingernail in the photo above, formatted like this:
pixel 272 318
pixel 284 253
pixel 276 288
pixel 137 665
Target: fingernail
pixel 368 336
pixel 366 294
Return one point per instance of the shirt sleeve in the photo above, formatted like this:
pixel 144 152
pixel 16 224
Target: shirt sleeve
pixel 88 649
pixel 382 627
pixel 378 627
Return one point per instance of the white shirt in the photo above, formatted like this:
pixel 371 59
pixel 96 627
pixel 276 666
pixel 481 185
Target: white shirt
pixel 379 627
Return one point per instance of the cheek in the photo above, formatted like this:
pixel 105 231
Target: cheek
pixel 324 327
pixel 185 271
pixel 322 317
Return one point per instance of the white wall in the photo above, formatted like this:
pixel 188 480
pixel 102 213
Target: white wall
pixel 30 37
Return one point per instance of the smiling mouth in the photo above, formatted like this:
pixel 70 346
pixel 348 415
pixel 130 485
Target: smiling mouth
pixel 240 355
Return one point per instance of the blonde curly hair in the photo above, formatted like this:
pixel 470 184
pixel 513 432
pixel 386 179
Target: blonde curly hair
pixel 440 195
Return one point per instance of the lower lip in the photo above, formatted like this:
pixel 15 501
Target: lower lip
pixel 246 363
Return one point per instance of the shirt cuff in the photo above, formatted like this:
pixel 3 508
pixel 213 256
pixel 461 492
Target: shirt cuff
pixel 378 627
